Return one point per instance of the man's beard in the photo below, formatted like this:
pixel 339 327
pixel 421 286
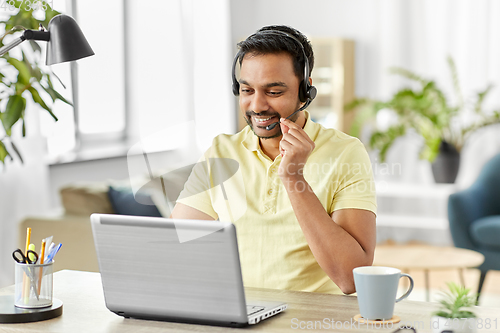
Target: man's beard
pixel 248 119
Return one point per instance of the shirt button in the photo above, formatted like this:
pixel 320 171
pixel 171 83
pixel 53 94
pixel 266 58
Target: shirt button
pixel 273 170
pixel 270 192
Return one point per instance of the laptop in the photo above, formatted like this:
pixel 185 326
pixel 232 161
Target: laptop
pixel 174 270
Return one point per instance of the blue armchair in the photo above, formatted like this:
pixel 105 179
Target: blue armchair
pixel 474 216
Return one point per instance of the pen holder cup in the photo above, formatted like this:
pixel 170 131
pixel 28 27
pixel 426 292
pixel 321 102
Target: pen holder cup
pixel 33 285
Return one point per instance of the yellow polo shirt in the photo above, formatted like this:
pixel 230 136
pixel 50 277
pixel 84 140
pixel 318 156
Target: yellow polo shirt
pixel 273 250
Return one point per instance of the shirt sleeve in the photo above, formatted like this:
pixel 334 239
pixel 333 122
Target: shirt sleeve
pixel 356 188
pixel 196 192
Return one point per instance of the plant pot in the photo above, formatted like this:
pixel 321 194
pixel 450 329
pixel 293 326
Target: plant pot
pixel 462 325
pixel 445 166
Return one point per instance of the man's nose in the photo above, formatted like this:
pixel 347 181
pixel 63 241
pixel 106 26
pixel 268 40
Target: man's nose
pixel 259 102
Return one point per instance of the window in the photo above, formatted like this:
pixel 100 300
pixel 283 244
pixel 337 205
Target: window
pixel 156 65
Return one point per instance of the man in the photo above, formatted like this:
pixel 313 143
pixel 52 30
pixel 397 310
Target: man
pixel 310 216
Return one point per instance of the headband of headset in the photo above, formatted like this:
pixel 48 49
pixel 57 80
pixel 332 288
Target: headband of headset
pixel 306 91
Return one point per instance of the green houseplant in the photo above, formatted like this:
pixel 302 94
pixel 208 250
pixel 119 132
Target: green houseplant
pixel 31 81
pixel 455 312
pixel 426 111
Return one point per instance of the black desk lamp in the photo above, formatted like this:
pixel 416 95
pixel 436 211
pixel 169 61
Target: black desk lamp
pixel 66 40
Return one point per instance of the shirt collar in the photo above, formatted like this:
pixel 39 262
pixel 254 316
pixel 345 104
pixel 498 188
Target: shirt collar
pixel 251 141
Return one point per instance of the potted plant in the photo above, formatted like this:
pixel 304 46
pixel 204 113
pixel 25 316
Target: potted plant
pixel 426 111
pixel 31 81
pixel 456 311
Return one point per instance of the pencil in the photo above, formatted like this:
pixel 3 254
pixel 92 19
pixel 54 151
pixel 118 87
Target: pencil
pixel 26 293
pixel 28 240
pixel 41 268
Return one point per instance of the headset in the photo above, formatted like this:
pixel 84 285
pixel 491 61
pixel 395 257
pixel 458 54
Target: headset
pixel 307 92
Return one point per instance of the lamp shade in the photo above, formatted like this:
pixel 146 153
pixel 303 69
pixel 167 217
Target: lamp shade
pixel 67 42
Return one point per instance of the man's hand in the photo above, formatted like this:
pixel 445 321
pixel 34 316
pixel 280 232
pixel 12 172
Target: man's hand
pixel 295 148
pixel 339 242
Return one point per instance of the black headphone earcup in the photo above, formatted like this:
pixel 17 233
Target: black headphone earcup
pixel 306 92
pixel 303 92
pixel 312 92
pixel 236 88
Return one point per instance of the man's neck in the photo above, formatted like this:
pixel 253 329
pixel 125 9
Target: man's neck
pixel 271 147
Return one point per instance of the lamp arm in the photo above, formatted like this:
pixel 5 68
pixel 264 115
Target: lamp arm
pixel 27 35
pixel 37 35
pixel 6 48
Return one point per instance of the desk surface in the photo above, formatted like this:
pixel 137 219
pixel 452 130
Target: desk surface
pixel 426 257
pixel 85 311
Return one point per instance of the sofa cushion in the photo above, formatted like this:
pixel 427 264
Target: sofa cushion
pixel 124 202
pixel 85 198
pixel 486 232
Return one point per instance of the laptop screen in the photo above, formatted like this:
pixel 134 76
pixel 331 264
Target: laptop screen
pixel 157 267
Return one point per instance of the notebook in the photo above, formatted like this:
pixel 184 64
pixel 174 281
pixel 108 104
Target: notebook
pixel 174 270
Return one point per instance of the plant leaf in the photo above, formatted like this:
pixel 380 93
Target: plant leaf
pixel 24 72
pixel 58 79
pixel 37 99
pixel 49 14
pixel 356 103
pixel 480 98
pixel 456 83
pixel 13 111
pixel 41 102
pixel 407 74
pixel 456 302
pixel 14 148
pixel 50 91
pixel 35 46
pixel 34 70
pixel 55 95
pixel 3 152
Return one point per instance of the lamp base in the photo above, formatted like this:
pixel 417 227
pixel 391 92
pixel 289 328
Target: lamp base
pixel 9 313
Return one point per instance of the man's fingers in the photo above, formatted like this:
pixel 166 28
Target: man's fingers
pixel 284 146
pixel 284 128
pixel 302 137
pixel 299 134
pixel 292 139
pixel 289 123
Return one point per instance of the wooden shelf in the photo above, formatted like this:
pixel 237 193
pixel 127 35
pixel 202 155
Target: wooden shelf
pixel 333 76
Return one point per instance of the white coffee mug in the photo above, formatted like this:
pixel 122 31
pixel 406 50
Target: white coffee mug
pixel 377 288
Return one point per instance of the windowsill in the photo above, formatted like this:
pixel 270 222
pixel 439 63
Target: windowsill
pixel 92 152
pixel 104 150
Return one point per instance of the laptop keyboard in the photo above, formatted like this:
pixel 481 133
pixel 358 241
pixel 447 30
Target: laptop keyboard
pixel 252 309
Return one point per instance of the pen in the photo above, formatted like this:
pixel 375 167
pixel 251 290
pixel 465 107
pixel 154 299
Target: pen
pixel 51 247
pixel 52 254
pixel 48 242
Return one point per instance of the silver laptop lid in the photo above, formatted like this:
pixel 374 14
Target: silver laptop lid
pixel 164 268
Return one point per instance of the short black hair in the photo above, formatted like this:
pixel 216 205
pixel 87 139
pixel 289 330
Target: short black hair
pixel 259 44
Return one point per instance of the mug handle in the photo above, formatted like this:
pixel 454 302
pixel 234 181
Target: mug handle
pixel 409 289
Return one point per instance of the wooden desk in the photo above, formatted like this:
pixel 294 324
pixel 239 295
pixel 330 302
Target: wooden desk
pixel 427 258
pixel 85 311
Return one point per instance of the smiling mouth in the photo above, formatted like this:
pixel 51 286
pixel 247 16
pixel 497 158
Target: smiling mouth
pixel 264 121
